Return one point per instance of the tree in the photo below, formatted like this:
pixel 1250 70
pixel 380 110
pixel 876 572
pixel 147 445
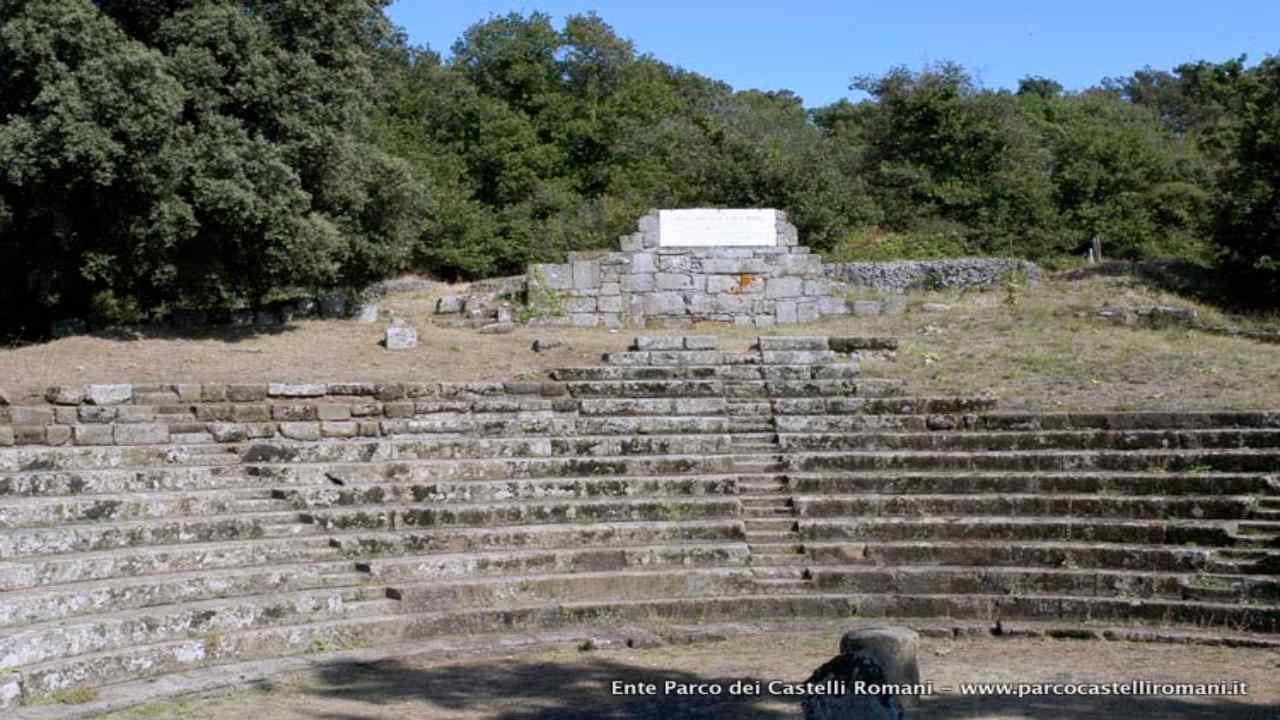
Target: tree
pixel 1247 226
pixel 208 154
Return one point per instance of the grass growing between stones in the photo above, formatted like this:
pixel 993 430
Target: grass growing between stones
pixel 1036 347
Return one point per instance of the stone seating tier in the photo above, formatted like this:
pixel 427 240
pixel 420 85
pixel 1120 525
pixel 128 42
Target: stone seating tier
pixel 218 525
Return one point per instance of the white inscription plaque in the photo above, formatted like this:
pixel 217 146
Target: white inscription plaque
pixel 717 228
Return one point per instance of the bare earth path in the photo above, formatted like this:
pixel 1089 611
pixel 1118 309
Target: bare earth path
pixel 575 685
pixel 1044 351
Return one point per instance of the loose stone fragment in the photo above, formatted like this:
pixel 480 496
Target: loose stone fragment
pixel 401 337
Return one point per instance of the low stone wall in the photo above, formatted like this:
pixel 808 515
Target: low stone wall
pixel 906 275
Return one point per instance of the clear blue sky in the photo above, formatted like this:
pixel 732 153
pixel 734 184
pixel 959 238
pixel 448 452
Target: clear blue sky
pixel 813 46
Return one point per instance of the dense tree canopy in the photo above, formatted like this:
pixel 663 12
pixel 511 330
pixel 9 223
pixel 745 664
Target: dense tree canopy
pixel 161 154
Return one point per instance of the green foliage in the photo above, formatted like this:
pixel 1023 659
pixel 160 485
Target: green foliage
pixel 928 242
pixel 192 153
pixel 1248 212
pixel 162 154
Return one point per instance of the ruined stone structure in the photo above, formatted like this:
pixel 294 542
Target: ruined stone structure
pixel 148 532
pixel 744 267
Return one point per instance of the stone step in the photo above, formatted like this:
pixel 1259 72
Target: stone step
pixel 426 542
pixel 1001 553
pixel 775 543
pixel 908 405
pixel 156 660
pixel 501 592
pixel 1233 461
pixel 46 603
pixel 797 561
pixel 971 483
pixel 768 501
pixel 762 490
pixel 529 513
pixel 977 440
pixel 1269 515
pixel 42 511
pixel 756 525
pixel 43 642
pixel 1203 534
pixel 53 570
pixel 504 490
pixel 94 537
pixel 464 565
pixel 1157 420
pixel 813 417
pixel 1197 507
pixel 764 538
pixel 1152 612
pixel 1094 582
pixel 768 512
pixel 375 623
pixel 726 373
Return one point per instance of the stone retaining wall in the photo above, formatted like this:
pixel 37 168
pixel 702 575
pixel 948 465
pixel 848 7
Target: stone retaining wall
pixel 906 275
pixel 645 284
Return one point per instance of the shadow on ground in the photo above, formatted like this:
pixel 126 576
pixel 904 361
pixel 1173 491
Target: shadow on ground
pixel 518 690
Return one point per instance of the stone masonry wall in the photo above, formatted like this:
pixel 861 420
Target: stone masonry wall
pixel 644 285
pixel 906 275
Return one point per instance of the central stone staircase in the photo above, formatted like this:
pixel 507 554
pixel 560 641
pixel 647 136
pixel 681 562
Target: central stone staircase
pixel 191 528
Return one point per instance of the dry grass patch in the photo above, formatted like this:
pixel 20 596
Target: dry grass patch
pixel 1036 348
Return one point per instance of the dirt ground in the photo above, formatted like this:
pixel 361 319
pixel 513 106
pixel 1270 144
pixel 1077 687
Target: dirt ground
pixel 1038 349
pixel 568 684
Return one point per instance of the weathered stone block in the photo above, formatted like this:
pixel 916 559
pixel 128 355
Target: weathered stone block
pixel 31 416
pixel 227 432
pixel 339 429
pixel 784 287
pixel 833 306
pixel 297 390
pixel 294 413
pixel 610 304
pixel 399 409
pixel 401 337
pixel 108 394
pixel 251 413
pixel 57 434
pixel 586 275
pixel 700 342
pixel 785 312
pixel 64 395
pixel 6 436
pixel 670 281
pixel 449 305
pixel 792 343
pixel 807 311
pixel 579 304
pixel 735 266
pixel 638 283
pixel 666 303
pixel 300 431
pixel 246 393
pixel 333 412
pixel 867 307
pixel 643 263
pixel 141 434
pixel 93 435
